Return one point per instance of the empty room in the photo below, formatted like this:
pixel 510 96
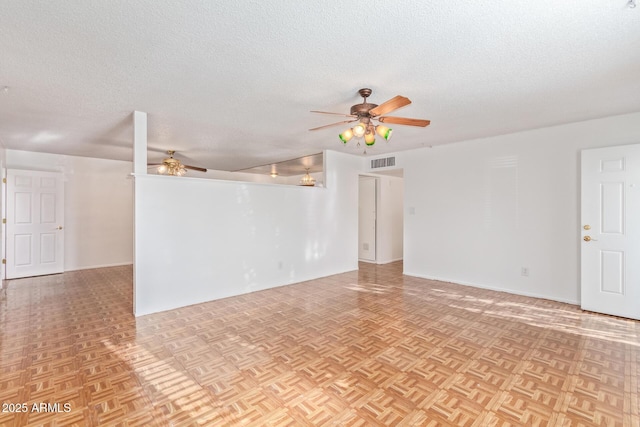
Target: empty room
pixel 410 213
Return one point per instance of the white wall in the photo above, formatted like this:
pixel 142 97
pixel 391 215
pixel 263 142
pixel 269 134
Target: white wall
pixel 230 176
pixel 200 239
pixel 98 206
pixel 476 212
pixel 251 177
pixel 3 155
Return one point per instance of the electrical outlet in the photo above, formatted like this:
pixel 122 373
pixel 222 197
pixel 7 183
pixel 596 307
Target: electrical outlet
pixel 524 271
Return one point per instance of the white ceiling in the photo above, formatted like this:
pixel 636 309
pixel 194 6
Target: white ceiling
pixel 229 84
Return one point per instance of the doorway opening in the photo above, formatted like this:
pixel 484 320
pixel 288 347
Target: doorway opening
pixel 381 217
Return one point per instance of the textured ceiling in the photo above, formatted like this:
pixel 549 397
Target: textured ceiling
pixel 229 84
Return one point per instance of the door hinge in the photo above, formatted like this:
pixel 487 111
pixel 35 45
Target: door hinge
pixel 4 180
pixel 4 220
pixel 4 261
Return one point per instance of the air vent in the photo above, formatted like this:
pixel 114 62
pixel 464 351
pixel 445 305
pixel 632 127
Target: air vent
pixel 383 163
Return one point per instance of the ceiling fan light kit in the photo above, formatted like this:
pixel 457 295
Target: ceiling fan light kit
pixel 346 135
pixel 384 132
pixel 173 167
pixel 365 112
pixel 359 130
pixel 370 138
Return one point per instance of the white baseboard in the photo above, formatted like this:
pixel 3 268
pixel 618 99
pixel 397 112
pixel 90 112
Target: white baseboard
pixel 380 262
pixel 495 288
pixel 97 266
pixel 389 261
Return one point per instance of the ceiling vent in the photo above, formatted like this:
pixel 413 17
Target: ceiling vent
pixel 383 163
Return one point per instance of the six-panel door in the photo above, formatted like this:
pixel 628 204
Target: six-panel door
pixel 35 223
pixel 610 231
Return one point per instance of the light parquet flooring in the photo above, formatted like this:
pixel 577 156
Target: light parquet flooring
pixel 365 348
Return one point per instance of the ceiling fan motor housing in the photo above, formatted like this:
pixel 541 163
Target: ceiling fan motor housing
pixel 362 110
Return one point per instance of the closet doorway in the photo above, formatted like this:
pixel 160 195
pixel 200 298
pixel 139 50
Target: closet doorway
pixel 381 217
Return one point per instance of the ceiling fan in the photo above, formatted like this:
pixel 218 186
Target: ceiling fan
pixel 171 166
pixel 366 112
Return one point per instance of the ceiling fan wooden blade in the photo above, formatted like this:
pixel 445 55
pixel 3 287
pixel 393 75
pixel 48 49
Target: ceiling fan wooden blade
pixel 390 105
pixel 335 114
pixel 195 168
pixel 154 164
pixel 333 124
pixel 405 121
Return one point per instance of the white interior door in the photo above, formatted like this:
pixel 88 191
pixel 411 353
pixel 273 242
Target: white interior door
pixel 367 219
pixel 610 255
pixel 35 219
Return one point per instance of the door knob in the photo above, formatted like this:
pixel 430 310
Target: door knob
pixel 588 239
pixel 587 227
pixel 59 227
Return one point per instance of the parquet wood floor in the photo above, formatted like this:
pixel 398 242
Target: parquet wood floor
pixel 365 348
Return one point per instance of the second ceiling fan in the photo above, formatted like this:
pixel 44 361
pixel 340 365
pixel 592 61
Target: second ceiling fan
pixel 366 112
pixel 174 167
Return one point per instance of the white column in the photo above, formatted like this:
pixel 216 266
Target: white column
pixel 139 168
pixel 139 142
